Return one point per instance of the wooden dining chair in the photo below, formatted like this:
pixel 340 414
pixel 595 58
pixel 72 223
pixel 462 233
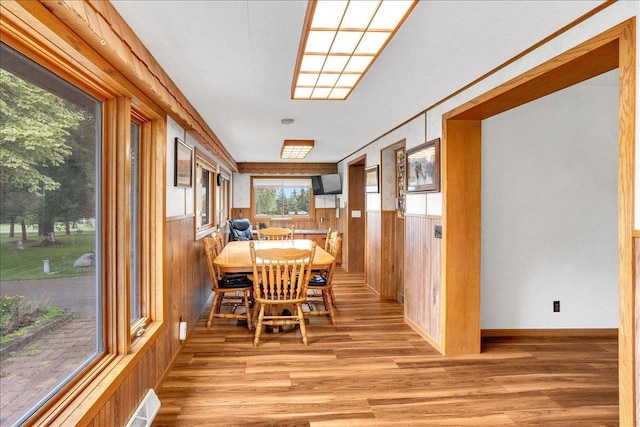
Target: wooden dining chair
pixel 334 247
pixel 320 290
pixel 218 239
pixel 230 291
pixel 327 238
pixel 275 233
pixel 280 279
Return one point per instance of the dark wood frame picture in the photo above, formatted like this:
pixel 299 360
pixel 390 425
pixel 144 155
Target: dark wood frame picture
pixel 183 164
pixel 401 165
pixel 372 179
pixel 423 167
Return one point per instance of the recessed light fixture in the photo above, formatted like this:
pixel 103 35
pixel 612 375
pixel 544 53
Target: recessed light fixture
pixel 286 121
pixel 340 41
pixel 296 148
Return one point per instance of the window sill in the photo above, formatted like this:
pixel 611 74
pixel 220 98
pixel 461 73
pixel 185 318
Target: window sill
pixel 204 233
pixel 81 404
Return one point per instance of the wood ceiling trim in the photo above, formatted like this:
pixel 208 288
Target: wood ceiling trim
pixel 288 168
pixel 102 27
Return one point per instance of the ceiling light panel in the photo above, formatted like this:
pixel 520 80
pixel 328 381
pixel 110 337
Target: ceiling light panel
pixel 320 41
pixel 340 41
pixel 296 148
pixel 359 13
pixel 328 14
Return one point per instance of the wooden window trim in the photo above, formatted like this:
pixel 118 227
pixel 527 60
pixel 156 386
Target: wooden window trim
pixel 223 217
pixel 204 160
pixel 294 219
pixel 32 30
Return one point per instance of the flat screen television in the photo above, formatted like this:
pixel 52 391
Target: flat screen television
pixel 326 184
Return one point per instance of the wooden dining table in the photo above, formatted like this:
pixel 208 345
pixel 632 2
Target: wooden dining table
pixel 235 257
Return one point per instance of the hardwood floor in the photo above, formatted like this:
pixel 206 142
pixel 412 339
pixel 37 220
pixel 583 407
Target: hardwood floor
pixel 373 369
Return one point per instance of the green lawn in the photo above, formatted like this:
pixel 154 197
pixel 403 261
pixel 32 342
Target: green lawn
pixel 25 261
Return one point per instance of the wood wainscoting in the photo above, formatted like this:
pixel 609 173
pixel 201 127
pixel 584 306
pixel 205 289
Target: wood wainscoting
pixel 328 216
pixel 187 287
pixel 373 261
pixel 187 275
pixel 423 267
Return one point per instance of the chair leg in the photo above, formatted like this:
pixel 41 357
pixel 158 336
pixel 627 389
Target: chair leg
pixel 247 310
pixel 219 303
pixel 303 326
pixel 326 296
pixel 214 304
pixel 256 338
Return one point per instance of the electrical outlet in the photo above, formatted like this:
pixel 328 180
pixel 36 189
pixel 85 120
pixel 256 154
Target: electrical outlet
pixel 556 306
pixel 438 232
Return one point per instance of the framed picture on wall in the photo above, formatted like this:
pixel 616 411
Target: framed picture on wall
pixel 400 182
pixel 423 167
pixel 183 165
pixel 372 179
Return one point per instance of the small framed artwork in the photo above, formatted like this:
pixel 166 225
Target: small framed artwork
pixel 423 167
pixel 400 181
pixel 372 179
pixel 183 165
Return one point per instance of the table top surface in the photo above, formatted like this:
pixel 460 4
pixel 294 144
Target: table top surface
pixel 236 256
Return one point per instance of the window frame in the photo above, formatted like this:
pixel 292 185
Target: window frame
pixel 78 399
pixel 223 195
pixel 294 218
pixel 145 289
pixel 205 163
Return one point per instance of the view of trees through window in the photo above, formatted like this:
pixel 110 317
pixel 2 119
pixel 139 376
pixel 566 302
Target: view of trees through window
pixel 49 140
pixel 282 201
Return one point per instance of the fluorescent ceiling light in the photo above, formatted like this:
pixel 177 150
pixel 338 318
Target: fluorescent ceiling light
pixel 340 41
pixel 296 148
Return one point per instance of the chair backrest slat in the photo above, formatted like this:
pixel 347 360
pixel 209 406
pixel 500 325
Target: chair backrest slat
pixel 275 233
pixel 211 251
pixel 281 274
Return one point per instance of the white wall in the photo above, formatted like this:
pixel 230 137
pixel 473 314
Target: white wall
pixel 179 199
pixel 549 211
pixel 242 191
pixel 432 204
pixel 413 132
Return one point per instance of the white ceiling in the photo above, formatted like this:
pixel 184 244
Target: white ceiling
pixel 234 61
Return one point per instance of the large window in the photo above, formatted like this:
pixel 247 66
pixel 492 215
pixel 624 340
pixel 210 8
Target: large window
pixel 50 258
pixel 282 197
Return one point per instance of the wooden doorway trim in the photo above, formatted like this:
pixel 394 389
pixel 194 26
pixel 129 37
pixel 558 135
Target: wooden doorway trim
pixel 354 246
pixel 391 233
pixel 461 172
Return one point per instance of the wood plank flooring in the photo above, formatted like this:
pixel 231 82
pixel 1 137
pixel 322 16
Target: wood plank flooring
pixel 372 369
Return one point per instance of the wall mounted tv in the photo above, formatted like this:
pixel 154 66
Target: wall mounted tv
pixel 326 184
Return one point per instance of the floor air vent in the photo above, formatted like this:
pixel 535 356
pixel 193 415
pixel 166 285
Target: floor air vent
pixel 146 411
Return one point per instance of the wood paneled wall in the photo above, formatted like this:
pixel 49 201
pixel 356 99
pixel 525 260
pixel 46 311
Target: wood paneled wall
pixel 328 215
pixel 372 265
pixel 399 254
pixel 388 250
pixel 187 275
pixel 188 287
pixel 145 375
pixel 423 261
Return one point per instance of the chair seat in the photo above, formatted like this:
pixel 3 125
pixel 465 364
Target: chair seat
pixel 317 281
pixel 234 282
